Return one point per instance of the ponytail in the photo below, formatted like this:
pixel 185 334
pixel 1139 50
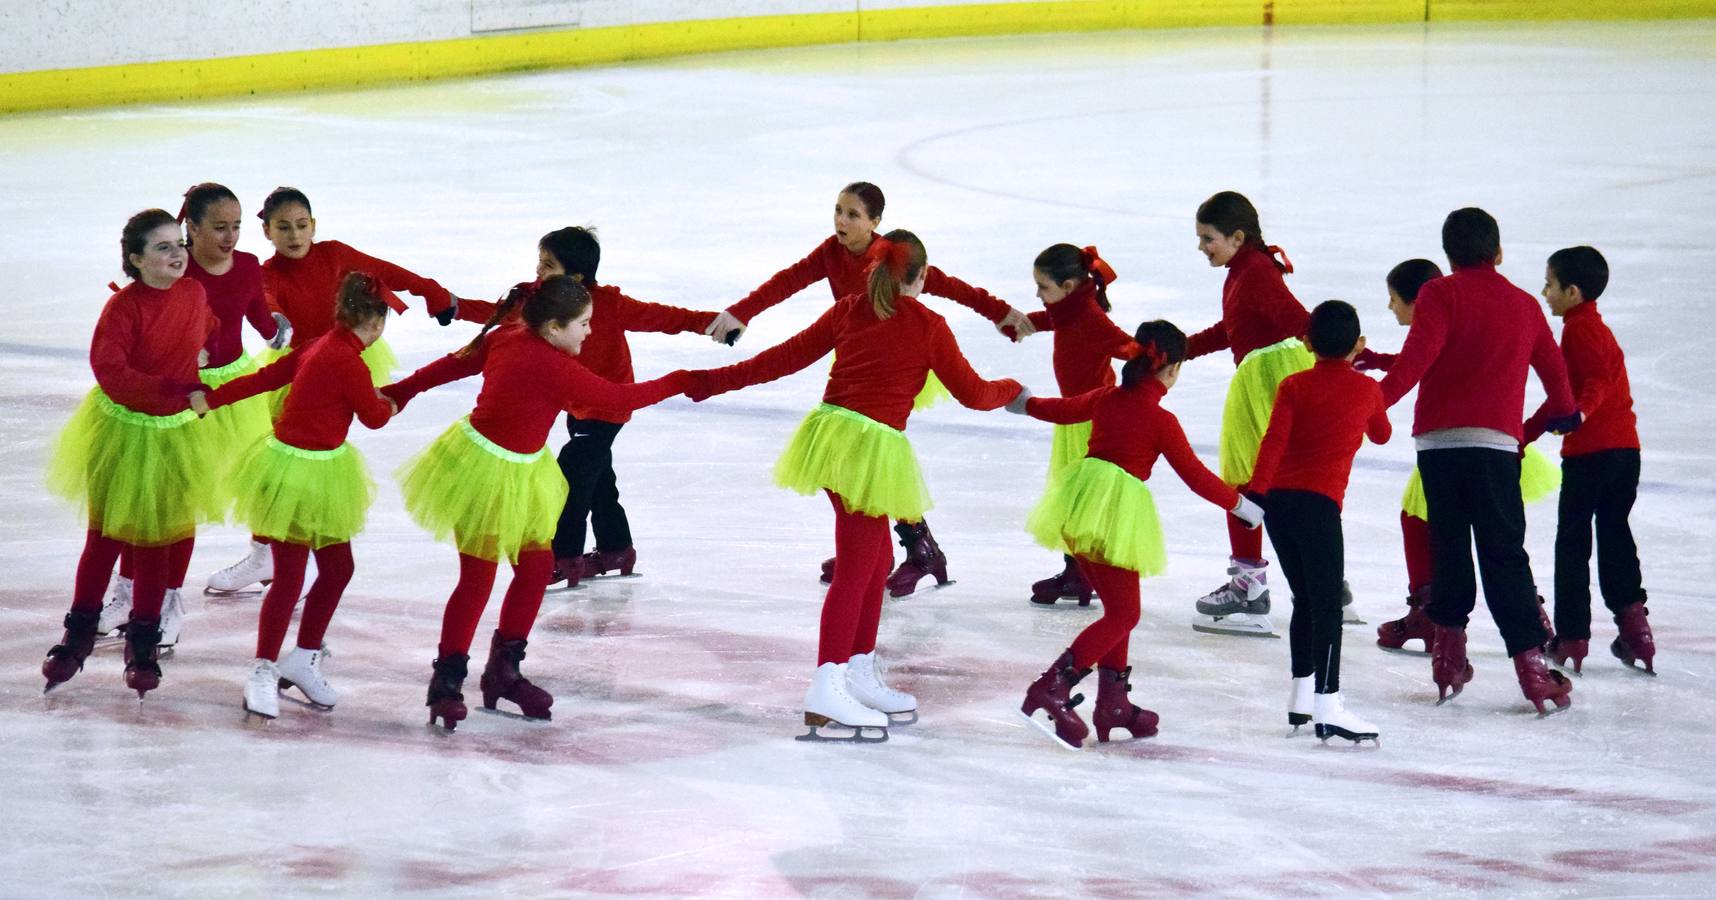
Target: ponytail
pixel 359 300
pixel 1161 344
pixel 902 262
pixel 557 298
pixel 1230 212
pixel 1065 262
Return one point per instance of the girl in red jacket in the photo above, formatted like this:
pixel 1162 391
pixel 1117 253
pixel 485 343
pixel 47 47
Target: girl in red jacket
pixel 587 460
pixel 853 447
pixel 305 489
pixel 1073 285
pixel 1261 324
pixel 845 260
pixel 131 454
pixel 1099 510
pixel 489 483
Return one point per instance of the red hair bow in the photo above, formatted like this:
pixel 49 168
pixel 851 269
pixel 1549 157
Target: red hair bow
pixel 1156 357
pixel 1095 265
pixel 898 257
pixel 185 205
pixel 1286 264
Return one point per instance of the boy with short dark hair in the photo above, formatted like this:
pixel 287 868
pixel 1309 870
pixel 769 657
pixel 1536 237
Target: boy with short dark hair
pixel 1599 470
pixel 1321 417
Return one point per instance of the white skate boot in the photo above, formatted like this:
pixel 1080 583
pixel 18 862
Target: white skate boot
pixel 865 684
pixel 262 690
pixel 1241 606
pixel 1349 616
pixel 172 617
pixel 257 567
pixel 303 669
pixel 1333 720
pixel 118 609
pixel 829 703
pixel 1301 703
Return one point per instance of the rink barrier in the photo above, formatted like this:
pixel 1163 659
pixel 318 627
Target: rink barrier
pixel 349 67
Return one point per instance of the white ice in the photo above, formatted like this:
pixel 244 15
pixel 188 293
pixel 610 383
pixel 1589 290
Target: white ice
pixel 669 768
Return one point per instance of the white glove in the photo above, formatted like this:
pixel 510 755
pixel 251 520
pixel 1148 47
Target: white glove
pixel 282 333
pixel 1017 404
pixel 725 324
pixel 1248 512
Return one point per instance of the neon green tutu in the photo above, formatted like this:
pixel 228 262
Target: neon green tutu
pixel 1098 510
pixel 490 501
pixel 146 480
pixel 1250 400
pixel 1071 444
pixel 379 357
pixel 310 497
pixel 870 465
pixel 933 392
pixel 233 428
pixel 1538 478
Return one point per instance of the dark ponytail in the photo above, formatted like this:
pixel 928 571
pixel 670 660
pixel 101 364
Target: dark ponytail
pixel 1230 212
pixel 901 264
pixel 1161 344
pixel 1065 262
pixel 557 298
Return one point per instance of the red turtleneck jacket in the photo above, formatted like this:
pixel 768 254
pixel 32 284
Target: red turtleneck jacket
pixel 1322 415
pixel 1597 371
pixel 233 297
pixel 145 346
pixel 1257 309
pixel 1086 341
pixel 330 385
pixel 849 274
pixel 303 290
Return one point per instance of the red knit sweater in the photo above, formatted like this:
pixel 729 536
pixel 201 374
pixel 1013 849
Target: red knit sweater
pixel 145 346
pixel 303 290
pixel 1597 370
pixel 1321 417
pixel 233 298
pixel 1129 427
pixel 849 273
pixel 1086 341
pixel 330 385
pixel 1473 337
pixel 1257 309
pixel 527 383
pixel 879 364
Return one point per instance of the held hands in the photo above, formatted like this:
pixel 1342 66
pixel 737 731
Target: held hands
pixel 1015 325
pixel 1248 512
pixel 1017 404
pixel 199 403
pixel 282 333
pixel 394 396
pixel 446 316
pixel 392 405
pixel 725 329
pixel 697 385
pixel 1565 424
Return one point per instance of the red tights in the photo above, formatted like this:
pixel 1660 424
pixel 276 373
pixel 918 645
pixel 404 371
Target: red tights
pixel 1106 640
pixel 518 611
pixel 333 573
pixel 153 571
pixel 1246 543
pixel 852 611
pixel 178 562
pixel 1415 534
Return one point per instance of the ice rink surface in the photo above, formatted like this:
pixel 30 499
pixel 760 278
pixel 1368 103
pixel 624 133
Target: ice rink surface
pixel 669 768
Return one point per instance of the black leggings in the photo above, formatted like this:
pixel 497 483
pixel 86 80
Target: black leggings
pixel 1603 486
pixel 1305 528
pixel 592 494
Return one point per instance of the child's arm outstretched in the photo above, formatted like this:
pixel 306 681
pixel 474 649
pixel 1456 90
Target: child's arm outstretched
pixel 271 377
pixel 973 391
pixel 447 369
pixel 778 361
pixel 1178 451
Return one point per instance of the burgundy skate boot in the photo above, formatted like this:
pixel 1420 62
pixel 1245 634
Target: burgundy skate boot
pixel 1416 625
pixel 1069 583
pixel 1049 693
pixel 923 557
pixel 502 681
pixel 1548 626
pixel 142 649
pixel 828 570
pixel 600 562
pixel 1448 664
pixel 1635 643
pixel 568 569
pixel 65 658
pixel 445 700
pixel 1114 707
pixel 1561 649
pixel 1540 683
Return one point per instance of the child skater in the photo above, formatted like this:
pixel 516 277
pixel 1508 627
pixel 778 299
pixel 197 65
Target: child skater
pixel 1073 285
pixel 131 453
pixel 489 483
pixel 845 259
pixel 1538 477
pixel 1261 324
pixel 232 280
pixel 1600 471
pixel 1099 510
pixel 587 460
pixel 305 489
pixel 1321 418
pixel 853 447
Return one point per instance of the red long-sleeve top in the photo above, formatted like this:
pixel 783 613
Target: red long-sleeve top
pixel 1086 341
pixel 233 297
pixel 849 273
pixel 145 346
pixel 879 364
pixel 1321 417
pixel 606 352
pixel 1474 335
pixel 1129 428
pixel 1257 309
pixel 1597 371
pixel 527 383
pixel 330 385
pixel 303 290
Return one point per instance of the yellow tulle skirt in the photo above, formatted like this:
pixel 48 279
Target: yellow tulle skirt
pixel 311 497
pixel 1071 444
pixel 870 465
pixel 233 428
pixel 1251 400
pixel 1097 510
pixel 1538 478
pixel 491 502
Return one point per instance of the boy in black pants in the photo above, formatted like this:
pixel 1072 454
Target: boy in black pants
pixel 1321 417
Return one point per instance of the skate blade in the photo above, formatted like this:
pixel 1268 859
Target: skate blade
pixel 922 590
pixel 519 717
pixel 306 702
pixel 248 592
pixel 1354 620
pixel 860 734
pixel 1443 701
pixel 1402 651
pixel 608 577
pixel 909 717
pixel 1057 604
pixel 1047 729
pixel 1241 625
pixel 1354 741
pixel 251 713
